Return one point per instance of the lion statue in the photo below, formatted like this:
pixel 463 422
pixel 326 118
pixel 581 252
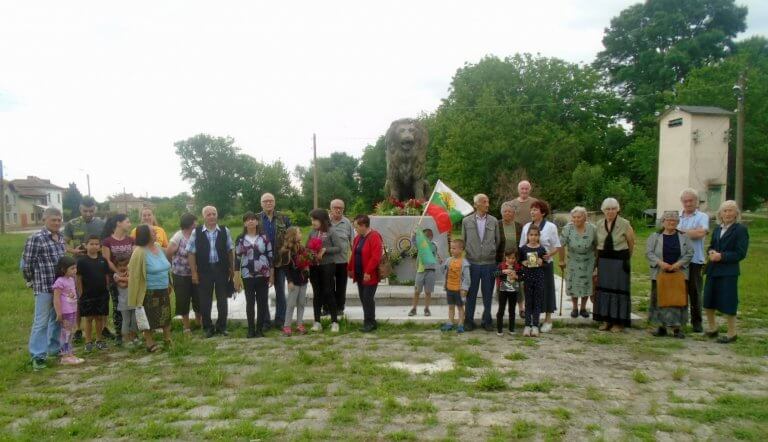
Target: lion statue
pixel 406 143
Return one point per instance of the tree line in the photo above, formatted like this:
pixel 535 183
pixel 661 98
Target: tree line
pixel 578 131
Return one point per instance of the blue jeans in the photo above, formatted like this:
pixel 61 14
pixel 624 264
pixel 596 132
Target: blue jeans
pixel 44 339
pixel 279 296
pixel 480 273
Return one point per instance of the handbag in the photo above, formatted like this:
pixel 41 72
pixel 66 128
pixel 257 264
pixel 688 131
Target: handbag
pixel 671 290
pixel 142 322
pixel 385 266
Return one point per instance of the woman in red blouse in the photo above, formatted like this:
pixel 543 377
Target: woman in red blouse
pixel 363 268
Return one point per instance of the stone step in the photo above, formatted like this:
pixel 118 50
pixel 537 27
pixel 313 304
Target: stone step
pixel 393 302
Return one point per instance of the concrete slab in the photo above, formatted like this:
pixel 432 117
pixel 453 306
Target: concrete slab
pixel 393 303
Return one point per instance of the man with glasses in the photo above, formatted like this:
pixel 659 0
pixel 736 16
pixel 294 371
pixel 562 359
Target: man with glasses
pixel 343 227
pixel 275 224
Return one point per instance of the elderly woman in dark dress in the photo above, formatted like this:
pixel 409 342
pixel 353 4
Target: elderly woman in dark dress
pixel 615 243
pixel 668 250
pixel 728 246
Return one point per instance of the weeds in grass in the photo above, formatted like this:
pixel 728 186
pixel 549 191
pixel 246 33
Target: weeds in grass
pixel 594 394
pixel 736 406
pixel 241 430
pixel 561 413
pixel 402 435
pixel 640 376
pixel 679 373
pixel 464 358
pixel 543 386
pixel 491 380
pixel 516 356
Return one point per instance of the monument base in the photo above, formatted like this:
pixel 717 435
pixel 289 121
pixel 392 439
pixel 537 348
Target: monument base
pixel 397 233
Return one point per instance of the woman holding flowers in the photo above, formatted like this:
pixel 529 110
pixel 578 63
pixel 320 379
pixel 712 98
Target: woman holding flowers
pixel 325 244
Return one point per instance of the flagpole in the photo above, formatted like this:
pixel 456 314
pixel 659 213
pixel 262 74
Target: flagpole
pixel 425 207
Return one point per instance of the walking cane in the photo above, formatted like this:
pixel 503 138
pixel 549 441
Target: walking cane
pixel 562 289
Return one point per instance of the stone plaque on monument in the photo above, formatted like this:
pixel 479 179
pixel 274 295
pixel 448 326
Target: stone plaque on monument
pixel 397 232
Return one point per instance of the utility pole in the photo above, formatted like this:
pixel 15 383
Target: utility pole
pixel 88 180
pixel 2 200
pixel 314 155
pixel 740 90
pixel 125 200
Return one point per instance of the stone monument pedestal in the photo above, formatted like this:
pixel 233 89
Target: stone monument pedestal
pixel 397 232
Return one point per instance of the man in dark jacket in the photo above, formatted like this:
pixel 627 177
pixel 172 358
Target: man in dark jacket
pixel 275 224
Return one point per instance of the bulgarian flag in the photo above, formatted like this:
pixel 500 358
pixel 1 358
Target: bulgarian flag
pixel 446 207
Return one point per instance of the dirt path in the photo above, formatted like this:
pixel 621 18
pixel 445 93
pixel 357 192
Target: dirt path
pixel 574 384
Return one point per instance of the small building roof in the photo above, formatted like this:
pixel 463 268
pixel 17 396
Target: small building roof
pixel 33 184
pixel 699 110
pixel 126 198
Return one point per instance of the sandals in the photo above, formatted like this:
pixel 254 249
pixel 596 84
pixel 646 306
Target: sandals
pixel 604 326
pixel 727 339
pixel 153 348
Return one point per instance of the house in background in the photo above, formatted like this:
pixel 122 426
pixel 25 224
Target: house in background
pixel 26 199
pixel 693 152
pixel 126 202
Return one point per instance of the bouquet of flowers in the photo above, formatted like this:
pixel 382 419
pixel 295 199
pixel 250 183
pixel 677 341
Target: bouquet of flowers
pixel 303 259
pixel 393 206
pixel 314 246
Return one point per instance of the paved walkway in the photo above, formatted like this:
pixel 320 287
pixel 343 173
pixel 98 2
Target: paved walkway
pixel 394 302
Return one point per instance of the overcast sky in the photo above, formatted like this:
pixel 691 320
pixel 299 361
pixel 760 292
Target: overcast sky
pixel 105 88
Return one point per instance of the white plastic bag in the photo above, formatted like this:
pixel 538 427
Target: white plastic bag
pixel 142 322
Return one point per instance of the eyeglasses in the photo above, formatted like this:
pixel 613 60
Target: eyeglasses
pixel 337 208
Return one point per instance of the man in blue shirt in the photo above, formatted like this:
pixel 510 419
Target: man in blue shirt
pixel 695 225
pixel 275 224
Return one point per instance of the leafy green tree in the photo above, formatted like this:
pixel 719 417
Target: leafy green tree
pixel 71 201
pixel 590 184
pixel 260 178
pixel 336 179
pixel 651 46
pixel 523 116
pixel 372 174
pixel 214 166
pixel 712 85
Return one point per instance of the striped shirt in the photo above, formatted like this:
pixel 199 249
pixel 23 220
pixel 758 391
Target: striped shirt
pixel 41 254
pixel 211 235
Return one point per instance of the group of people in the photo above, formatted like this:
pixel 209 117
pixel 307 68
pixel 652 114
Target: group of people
pixel 75 273
pixel 515 256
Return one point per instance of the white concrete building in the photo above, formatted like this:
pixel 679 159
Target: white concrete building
pixel 693 152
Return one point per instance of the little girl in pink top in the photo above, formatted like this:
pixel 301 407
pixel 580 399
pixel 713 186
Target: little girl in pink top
pixel 65 303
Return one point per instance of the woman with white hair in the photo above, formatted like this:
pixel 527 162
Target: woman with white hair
pixel 579 241
pixel 615 243
pixel 728 246
pixel 669 253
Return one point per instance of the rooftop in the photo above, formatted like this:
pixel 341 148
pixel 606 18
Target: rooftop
pixel 701 110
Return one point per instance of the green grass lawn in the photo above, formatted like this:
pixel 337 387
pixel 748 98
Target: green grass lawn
pixel 576 383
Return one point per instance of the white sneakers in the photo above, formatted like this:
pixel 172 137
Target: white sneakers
pixel 534 332
pixel 316 327
pixel 546 327
pixel 335 327
pixel 527 331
